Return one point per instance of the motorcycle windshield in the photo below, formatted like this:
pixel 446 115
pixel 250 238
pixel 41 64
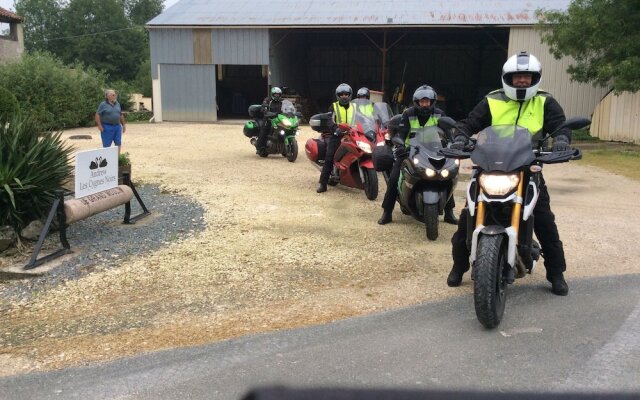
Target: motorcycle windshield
pixel 382 113
pixel 363 118
pixel 287 108
pixel 429 139
pixel 503 148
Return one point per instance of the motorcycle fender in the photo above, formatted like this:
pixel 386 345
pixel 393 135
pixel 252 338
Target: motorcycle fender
pixel 494 230
pixel 367 163
pixel 430 197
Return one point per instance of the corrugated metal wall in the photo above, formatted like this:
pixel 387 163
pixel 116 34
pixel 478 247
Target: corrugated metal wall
pixel 241 46
pixel 170 46
pixel 617 118
pixel 577 99
pixel 188 92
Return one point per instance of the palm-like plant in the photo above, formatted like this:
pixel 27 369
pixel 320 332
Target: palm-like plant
pixel 32 167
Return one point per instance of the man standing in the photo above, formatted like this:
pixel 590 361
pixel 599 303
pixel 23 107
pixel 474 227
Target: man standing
pixel 110 120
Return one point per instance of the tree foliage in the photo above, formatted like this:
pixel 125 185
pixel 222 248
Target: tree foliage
pixel 42 20
pixel 602 36
pixel 8 105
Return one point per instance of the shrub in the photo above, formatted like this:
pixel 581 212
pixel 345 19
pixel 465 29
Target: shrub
pixel 139 116
pixel 123 159
pixel 32 167
pixel 8 105
pixel 583 135
pixel 54 95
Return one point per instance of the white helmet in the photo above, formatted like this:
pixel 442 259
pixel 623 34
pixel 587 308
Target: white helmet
pixel 521 63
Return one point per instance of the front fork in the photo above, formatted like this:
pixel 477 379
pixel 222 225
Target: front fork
pixel 478 209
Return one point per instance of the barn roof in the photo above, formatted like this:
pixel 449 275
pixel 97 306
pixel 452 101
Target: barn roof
pixel 352 13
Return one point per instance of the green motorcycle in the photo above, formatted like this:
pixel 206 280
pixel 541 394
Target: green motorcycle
pixel 283 130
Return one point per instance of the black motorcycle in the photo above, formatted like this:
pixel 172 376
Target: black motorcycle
pixel 501 197
pixel 427 178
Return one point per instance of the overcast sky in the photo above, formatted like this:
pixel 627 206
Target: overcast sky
pixel 8 4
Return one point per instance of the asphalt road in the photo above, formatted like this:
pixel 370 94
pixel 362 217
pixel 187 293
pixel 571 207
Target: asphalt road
pixel 586 342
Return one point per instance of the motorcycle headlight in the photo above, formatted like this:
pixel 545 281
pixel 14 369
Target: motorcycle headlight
pixel 457 162
pixel 282 132
pixel 286 123
pixel 498 184
pixel 416 161
pixel 364 146
pixel 430 172
pixel 444 173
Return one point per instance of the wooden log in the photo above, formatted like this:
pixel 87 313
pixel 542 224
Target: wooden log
pixel 79 209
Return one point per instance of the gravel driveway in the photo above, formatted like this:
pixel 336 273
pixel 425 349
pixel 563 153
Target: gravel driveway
pixel 270 253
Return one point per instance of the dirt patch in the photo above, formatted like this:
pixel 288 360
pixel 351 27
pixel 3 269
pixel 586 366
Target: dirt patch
pixel 277 255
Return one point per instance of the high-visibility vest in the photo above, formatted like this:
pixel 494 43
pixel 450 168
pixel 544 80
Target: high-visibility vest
pixel 344 115
pixel 366 109
pixel 414 126
pixel 528 114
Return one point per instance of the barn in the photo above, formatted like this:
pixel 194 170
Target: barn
pixel 210 60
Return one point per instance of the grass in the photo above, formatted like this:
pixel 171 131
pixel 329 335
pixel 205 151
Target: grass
pixel 618 158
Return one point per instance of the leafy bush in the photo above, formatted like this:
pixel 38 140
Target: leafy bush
pixel 139 116
pixel 54 95
pixel 32 167
pixel 8 105
pixel 123 159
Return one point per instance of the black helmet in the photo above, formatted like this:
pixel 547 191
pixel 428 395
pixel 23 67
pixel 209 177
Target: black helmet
pixel 363 93
pixel 276 93
pixel 344 88
pixel 424 92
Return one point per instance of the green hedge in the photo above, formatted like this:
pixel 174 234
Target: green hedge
pixel 55 96
pixel 8 105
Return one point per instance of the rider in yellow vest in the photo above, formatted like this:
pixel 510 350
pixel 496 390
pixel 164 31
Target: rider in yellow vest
pixel 366 108
pixel 519 102
pixel 343 111
pixel 423 113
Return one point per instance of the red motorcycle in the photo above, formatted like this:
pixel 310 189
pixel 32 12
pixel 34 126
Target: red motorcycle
pixel 352 162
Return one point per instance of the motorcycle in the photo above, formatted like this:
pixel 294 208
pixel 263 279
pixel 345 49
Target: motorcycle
pixel 427 178
pixel 352 163
pixel 283 130
pixel 501 196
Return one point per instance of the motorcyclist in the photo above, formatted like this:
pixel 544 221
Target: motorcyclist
pixel 519 102
pixel 343 111
pixel 365 94
pixel 271 103
pixel 422 113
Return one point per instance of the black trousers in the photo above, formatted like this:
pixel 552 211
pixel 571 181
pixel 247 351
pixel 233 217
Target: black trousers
pixel 544 226
pixel 333 142
pixel 391 195
pixel 265 127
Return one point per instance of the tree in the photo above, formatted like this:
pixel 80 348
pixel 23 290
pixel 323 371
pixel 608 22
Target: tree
pixel 140 12
pixel 41 23
pixel 602 36
pixel 97 33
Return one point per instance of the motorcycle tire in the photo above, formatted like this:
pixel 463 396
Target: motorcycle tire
pixel 370 183
pixel 431 221
pixel 292 151
pixel 489 284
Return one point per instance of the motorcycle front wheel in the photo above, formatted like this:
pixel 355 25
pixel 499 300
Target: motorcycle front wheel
pixel 431 220
pixel 489 285
pixel 292 150
pixel 370 183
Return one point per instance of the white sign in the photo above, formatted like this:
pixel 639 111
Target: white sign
pixel 96 170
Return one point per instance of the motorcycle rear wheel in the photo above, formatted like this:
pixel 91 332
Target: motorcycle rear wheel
pixel 489 285
pixel 370 183
pixel 431 220
pixel 292 151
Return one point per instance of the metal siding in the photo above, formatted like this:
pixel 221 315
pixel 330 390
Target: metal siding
pixel 334 13
pixel 577 99
pixel 241 46
pixel 188 92
pixel 617 118
pixel 170 46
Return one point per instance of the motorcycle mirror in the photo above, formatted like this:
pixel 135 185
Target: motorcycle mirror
pixel 397 141
pixel 573 124
pixel 446 123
